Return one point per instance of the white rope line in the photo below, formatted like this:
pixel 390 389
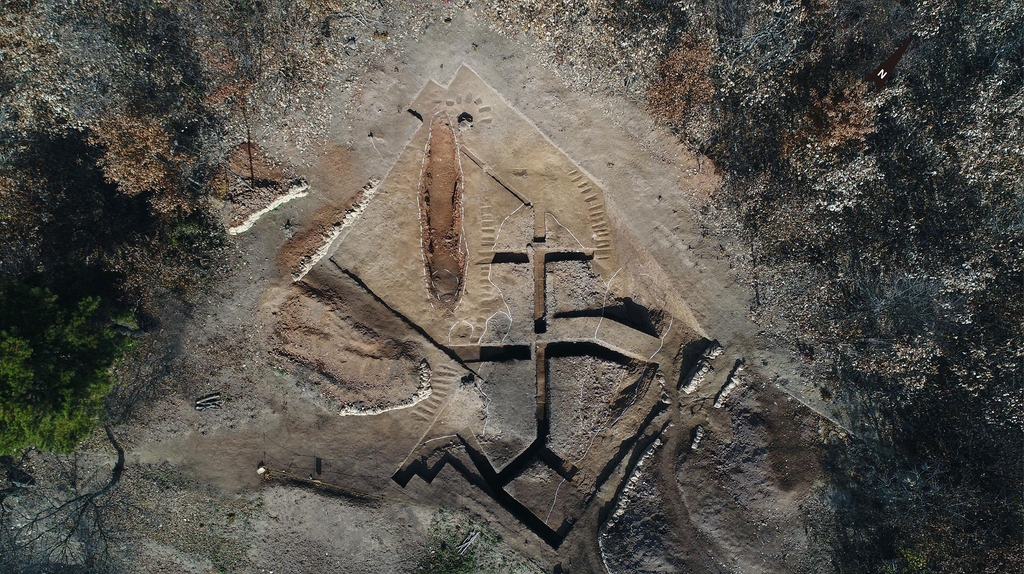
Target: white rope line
pixel 456 324
pixel 427 281
pixel 608 288
pixel 440 437
pixel 546 214
pixel 465 270
pixel 462 216
pixel 498 232
pixel 498 312
pixel 444 405
pixel 487 409
pixel 670 321
pixel 374 144
pixel 593 437
pixel 462 212
pixel 501 294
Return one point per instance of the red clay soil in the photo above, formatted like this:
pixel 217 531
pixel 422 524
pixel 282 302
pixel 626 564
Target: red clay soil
pixel 250 186
pixel 312 235
pixel 441 189
pixel 332 167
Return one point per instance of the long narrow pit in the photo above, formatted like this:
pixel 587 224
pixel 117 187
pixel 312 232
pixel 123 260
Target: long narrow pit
pixel 441 190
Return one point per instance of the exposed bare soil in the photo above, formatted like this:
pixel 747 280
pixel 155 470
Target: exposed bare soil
pixel 572 286
pixel 332 171
pixel 253 179
pixel 584 393
pixel 353 363
pixel 441 203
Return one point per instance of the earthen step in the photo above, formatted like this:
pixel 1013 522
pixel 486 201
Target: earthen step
pixel 573 171
pixel 421 415
pixel 486 120
pixel 442 386
pixel 577 178
pixel 485 108
pixel 597 208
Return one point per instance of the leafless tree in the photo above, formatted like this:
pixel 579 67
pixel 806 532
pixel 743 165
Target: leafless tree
pixel 61 522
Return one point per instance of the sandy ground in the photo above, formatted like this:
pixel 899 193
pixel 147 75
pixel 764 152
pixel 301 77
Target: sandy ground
pixel 732 505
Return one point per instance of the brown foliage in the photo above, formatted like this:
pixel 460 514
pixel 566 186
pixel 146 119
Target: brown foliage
pixel 835 119
pixel 683 89
pixel 138 158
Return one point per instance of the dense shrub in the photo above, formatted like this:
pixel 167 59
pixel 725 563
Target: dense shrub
pixel 54 368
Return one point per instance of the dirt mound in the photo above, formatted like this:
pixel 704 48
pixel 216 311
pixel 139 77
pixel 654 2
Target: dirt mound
pixel 253 180
pixel 311 236
pixel 352 364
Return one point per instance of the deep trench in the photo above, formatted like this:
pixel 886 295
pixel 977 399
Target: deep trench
pixel 629 313
pixel 493 483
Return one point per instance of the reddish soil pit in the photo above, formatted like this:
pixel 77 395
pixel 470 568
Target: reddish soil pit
pixel 441 190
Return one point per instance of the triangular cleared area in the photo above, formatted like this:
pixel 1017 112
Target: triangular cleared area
pixel 561 318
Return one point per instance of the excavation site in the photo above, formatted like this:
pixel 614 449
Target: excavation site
pixel 503 287
pixel 511 287
pixel 547 377
pixel 479 330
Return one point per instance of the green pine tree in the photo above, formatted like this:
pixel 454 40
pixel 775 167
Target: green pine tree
pixel 54 368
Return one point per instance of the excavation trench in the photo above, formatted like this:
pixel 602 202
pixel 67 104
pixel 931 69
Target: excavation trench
pixel 493 482
pixel 440 195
